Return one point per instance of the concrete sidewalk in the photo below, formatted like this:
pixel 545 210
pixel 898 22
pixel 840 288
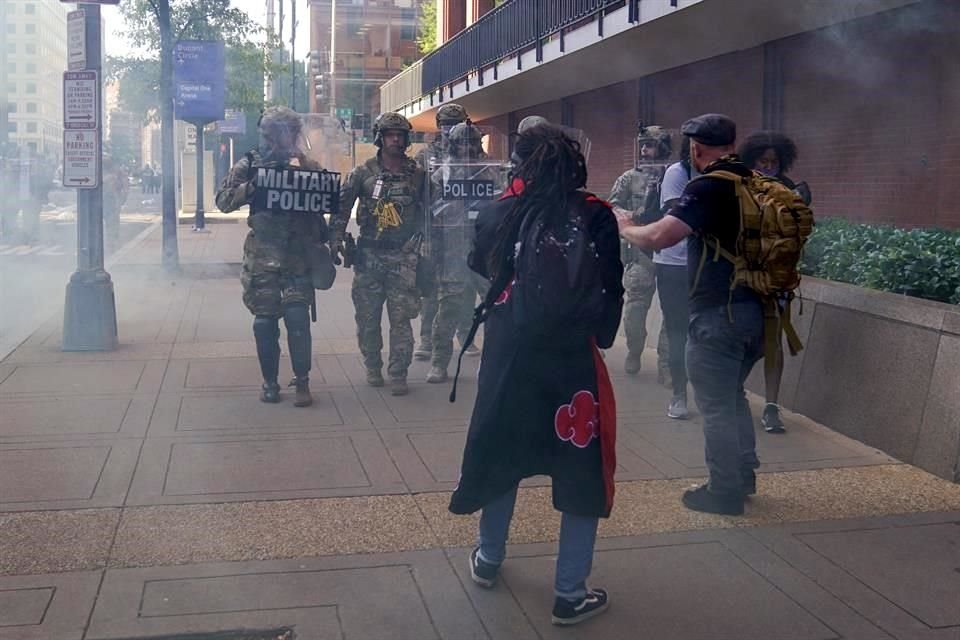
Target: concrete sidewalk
pixel 147 492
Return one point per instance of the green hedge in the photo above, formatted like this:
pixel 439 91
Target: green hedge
pixel 919 262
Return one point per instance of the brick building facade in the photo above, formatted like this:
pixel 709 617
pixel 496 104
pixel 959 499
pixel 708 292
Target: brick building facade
pixel 873 104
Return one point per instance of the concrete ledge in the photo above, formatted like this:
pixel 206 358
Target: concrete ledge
pixel 881 368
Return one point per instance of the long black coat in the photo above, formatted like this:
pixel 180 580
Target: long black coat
pixel 544 404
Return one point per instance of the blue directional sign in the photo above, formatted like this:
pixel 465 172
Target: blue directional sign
pixel 199 78
pixel 234 122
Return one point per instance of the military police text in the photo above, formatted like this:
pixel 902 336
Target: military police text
pixel 297 191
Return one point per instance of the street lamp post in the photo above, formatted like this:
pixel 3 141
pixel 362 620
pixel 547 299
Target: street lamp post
pixel 90 315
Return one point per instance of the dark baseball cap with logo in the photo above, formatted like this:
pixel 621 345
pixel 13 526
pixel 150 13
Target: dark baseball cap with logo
pixel 711 129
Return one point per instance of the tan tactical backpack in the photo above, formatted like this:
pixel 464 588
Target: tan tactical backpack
pixel 775 223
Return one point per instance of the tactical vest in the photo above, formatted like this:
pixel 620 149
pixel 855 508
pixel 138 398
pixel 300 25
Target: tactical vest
pixel 391 204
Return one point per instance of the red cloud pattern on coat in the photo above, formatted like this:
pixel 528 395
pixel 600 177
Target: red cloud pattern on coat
pixel 579 421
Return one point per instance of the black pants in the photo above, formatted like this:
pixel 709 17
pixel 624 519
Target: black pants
pixel 672 287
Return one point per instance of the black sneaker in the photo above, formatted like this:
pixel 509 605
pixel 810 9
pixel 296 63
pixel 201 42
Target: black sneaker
pixel 702 499
pixel 772 421
pixel 483 573
pixel 568 612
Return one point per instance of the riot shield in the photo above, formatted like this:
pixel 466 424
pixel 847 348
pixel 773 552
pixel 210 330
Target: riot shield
pixel 325 140
pixel 460 183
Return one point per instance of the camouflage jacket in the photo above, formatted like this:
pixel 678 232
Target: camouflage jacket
pixel 276 239
pixel 391 206
pixel 633 191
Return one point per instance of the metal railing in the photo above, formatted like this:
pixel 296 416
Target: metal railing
pixel 507 30
pixel 403 87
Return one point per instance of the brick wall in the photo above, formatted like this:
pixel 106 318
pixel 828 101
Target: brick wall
pixel 731 84
pixel 873 105
pixel 868 121
pixel 608 116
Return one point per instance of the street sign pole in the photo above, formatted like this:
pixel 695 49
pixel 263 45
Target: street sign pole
pixel 199 224
pixel 90 315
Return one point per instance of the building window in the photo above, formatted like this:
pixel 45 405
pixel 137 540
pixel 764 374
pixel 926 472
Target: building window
pixel 407 29
pixel 31 127
pixel 12 127
pixel 31 67
pixel 11 47
pixel 11 28
pixel 31 87
pixel 30 8
pixel 11 67
pixel 31 48
pixel 11 87
pixel 11 107
pixel 32 146
pixel 31 107
pixel 29 28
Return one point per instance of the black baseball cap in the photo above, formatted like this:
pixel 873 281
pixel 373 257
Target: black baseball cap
pixel 711 129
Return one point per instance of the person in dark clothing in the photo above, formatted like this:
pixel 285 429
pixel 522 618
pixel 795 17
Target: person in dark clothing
pixel 773 154
pixel 725 337
pixel 545 403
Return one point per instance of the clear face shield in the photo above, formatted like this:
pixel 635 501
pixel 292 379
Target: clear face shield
pixel 470 176
pixel 657 150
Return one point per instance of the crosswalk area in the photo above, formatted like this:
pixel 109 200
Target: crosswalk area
pixel 35 249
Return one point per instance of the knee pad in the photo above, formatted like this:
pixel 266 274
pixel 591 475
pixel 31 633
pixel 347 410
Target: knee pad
pixel 297 319
pixel 266 328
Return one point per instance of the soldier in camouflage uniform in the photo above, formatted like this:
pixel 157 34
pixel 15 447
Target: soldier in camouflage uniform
pixel 391 189
pixel 448 116
pixel 452 224
pixel 276 272
pixel 637 191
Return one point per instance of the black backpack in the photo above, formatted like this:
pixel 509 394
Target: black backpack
pixel 556 276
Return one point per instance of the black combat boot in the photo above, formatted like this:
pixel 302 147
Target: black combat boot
pixel 270 392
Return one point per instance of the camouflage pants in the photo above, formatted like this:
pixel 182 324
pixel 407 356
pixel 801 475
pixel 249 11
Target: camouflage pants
pixel 455 303
pixel 268 291
pixel 386 278
pixel 427 314
pixel 640 283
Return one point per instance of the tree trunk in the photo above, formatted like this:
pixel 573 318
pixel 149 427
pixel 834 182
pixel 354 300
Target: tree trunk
pixel 171 254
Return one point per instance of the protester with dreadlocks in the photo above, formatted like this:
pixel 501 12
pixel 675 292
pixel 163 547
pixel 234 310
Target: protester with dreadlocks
pixel 544 404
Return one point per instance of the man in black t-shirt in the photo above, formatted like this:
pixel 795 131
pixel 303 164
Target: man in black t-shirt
pixel 726 324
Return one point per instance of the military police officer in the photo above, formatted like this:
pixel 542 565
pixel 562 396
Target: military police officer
pixel 637 191
pixel 452 230
pixel 390 188
pixel 448 116
pixel 276 260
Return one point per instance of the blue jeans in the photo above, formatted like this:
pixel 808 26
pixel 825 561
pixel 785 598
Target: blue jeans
pixel 578 534
pixel 720 355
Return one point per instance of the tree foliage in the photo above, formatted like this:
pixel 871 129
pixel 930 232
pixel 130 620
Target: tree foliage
pixel 189 20
pixel 427 38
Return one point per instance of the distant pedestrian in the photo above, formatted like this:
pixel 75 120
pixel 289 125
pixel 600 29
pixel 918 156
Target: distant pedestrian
pixel 773 154
pixel 146 179
pixel 544 403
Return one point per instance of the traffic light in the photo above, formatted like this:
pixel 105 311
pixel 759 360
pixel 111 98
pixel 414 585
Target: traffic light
pixel 320 89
